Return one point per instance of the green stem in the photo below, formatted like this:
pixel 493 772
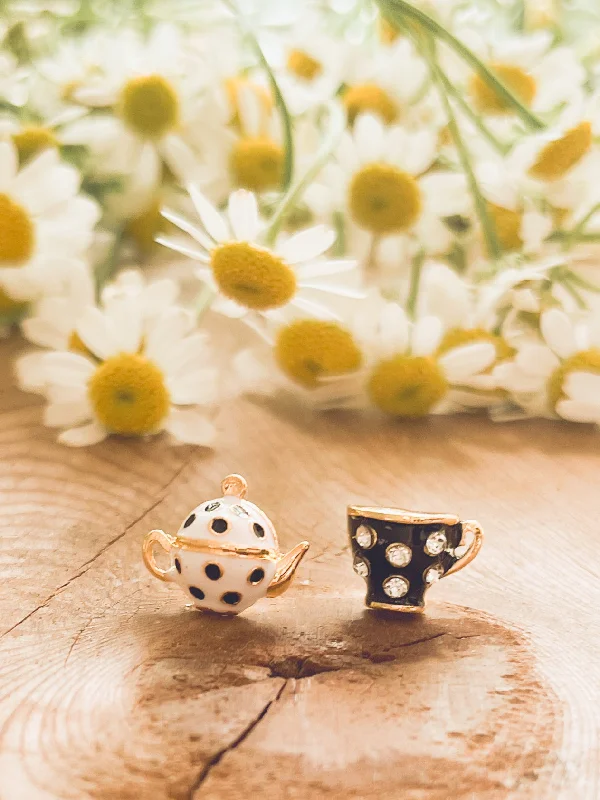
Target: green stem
pixel 583 222
pixel 501 147
pixel 286 120
pixel 337 122
pixel 563 236
pixel 397 8
pixel 205 297
pixel 416 271
pixel 487 224
pixel 339 224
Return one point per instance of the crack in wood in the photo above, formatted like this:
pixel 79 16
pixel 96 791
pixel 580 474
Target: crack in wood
pixel 87 564
pixel 220 754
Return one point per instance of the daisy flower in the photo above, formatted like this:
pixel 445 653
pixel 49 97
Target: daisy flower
pixel 405 373
pixel 378 179
pixel 136 378
pixel 561 375
pixel 253 279
pixel 372 85
pixel 44 222
pixel 151 108
pixel 311 66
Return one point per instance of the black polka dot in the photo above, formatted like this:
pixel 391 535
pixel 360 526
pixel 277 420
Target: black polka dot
pixel 219 525
pixel 178 565
pixel 259 530
pixel 256 576
pixel 213 571
pixel 197 593
pixel 212 506
pixel 189 520
pixel 231 598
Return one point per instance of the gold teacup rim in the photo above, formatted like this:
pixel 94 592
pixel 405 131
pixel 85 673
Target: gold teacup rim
pixel 403 515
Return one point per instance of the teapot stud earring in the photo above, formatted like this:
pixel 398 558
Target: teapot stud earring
pixel 225 555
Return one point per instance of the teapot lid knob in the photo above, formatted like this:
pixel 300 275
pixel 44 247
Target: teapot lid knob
pixel 235 485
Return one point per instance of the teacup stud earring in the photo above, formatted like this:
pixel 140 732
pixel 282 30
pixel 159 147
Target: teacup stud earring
pixel 225 555
pixel 400 554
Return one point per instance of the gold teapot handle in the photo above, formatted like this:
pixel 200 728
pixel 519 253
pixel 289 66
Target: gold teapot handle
pixel 165 542
pixel 469 526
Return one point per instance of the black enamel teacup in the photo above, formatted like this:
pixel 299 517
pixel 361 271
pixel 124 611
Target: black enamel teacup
pixel 402 553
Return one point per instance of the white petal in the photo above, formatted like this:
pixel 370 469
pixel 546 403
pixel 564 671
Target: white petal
pixel 306 245
pixel 210 217
pixel 318 269
pixel 536 359
pixel 576 411
pixel 426 337
pixel 187 226
pixel 59 415
pixel 98 333
pixel 83 436
pixel 463 362
pixel 584 387
pixel 339 289
pixel 315 309
pixel 194 387
pixel 190 426
pixel 67 369
pixel 558 332
pixel 125 315
pixel 393 329
pixel 30 371
pixel 369 138
pixel 184 249
pixel 44 333
pixel 164 334
pixel 243 215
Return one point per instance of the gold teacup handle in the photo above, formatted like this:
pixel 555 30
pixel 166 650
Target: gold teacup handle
pixel 468 526
pixel 165 542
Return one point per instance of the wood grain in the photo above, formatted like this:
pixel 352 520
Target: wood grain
pixel 111 688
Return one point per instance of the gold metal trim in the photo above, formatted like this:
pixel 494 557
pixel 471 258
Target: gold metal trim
pixel 223 549
pixel 402 515
pixel 402 609
pixel 235 485
pixel 286 569
pixel 469 526
pixel 164 541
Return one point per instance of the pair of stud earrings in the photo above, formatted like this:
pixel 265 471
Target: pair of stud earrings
pixel 226 556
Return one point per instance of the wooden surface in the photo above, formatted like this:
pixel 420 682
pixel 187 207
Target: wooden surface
pixel 111 688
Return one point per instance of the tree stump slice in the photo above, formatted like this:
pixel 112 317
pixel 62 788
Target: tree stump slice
pixel 110 687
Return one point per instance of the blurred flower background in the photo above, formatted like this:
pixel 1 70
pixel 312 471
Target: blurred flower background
pixel 389 206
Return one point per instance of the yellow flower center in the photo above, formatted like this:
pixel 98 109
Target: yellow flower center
pixel 406 386
pixel 32 140
pixel 234 88
pixel 257 163
pixel 383 199
pixel 369 98
pixel 128 395
pixel 557 157
pixel 16 233
pixel 144 227
pixel 303 65
pixel 508 226
pixel 457 337
pixel 149 106
pixel 584 361
pixel 11 309
pixel 309 349
pixel 251 276
pixel 516 79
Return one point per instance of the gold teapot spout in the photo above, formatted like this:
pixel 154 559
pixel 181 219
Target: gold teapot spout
pixel 286 568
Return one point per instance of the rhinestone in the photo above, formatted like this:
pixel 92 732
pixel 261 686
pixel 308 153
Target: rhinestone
pixel 398 554
pixel 433 574
pixel 240 511
pixel 436 543
pixel 212 506
pixel 361 567
pixel 395 586
pixel 365 537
